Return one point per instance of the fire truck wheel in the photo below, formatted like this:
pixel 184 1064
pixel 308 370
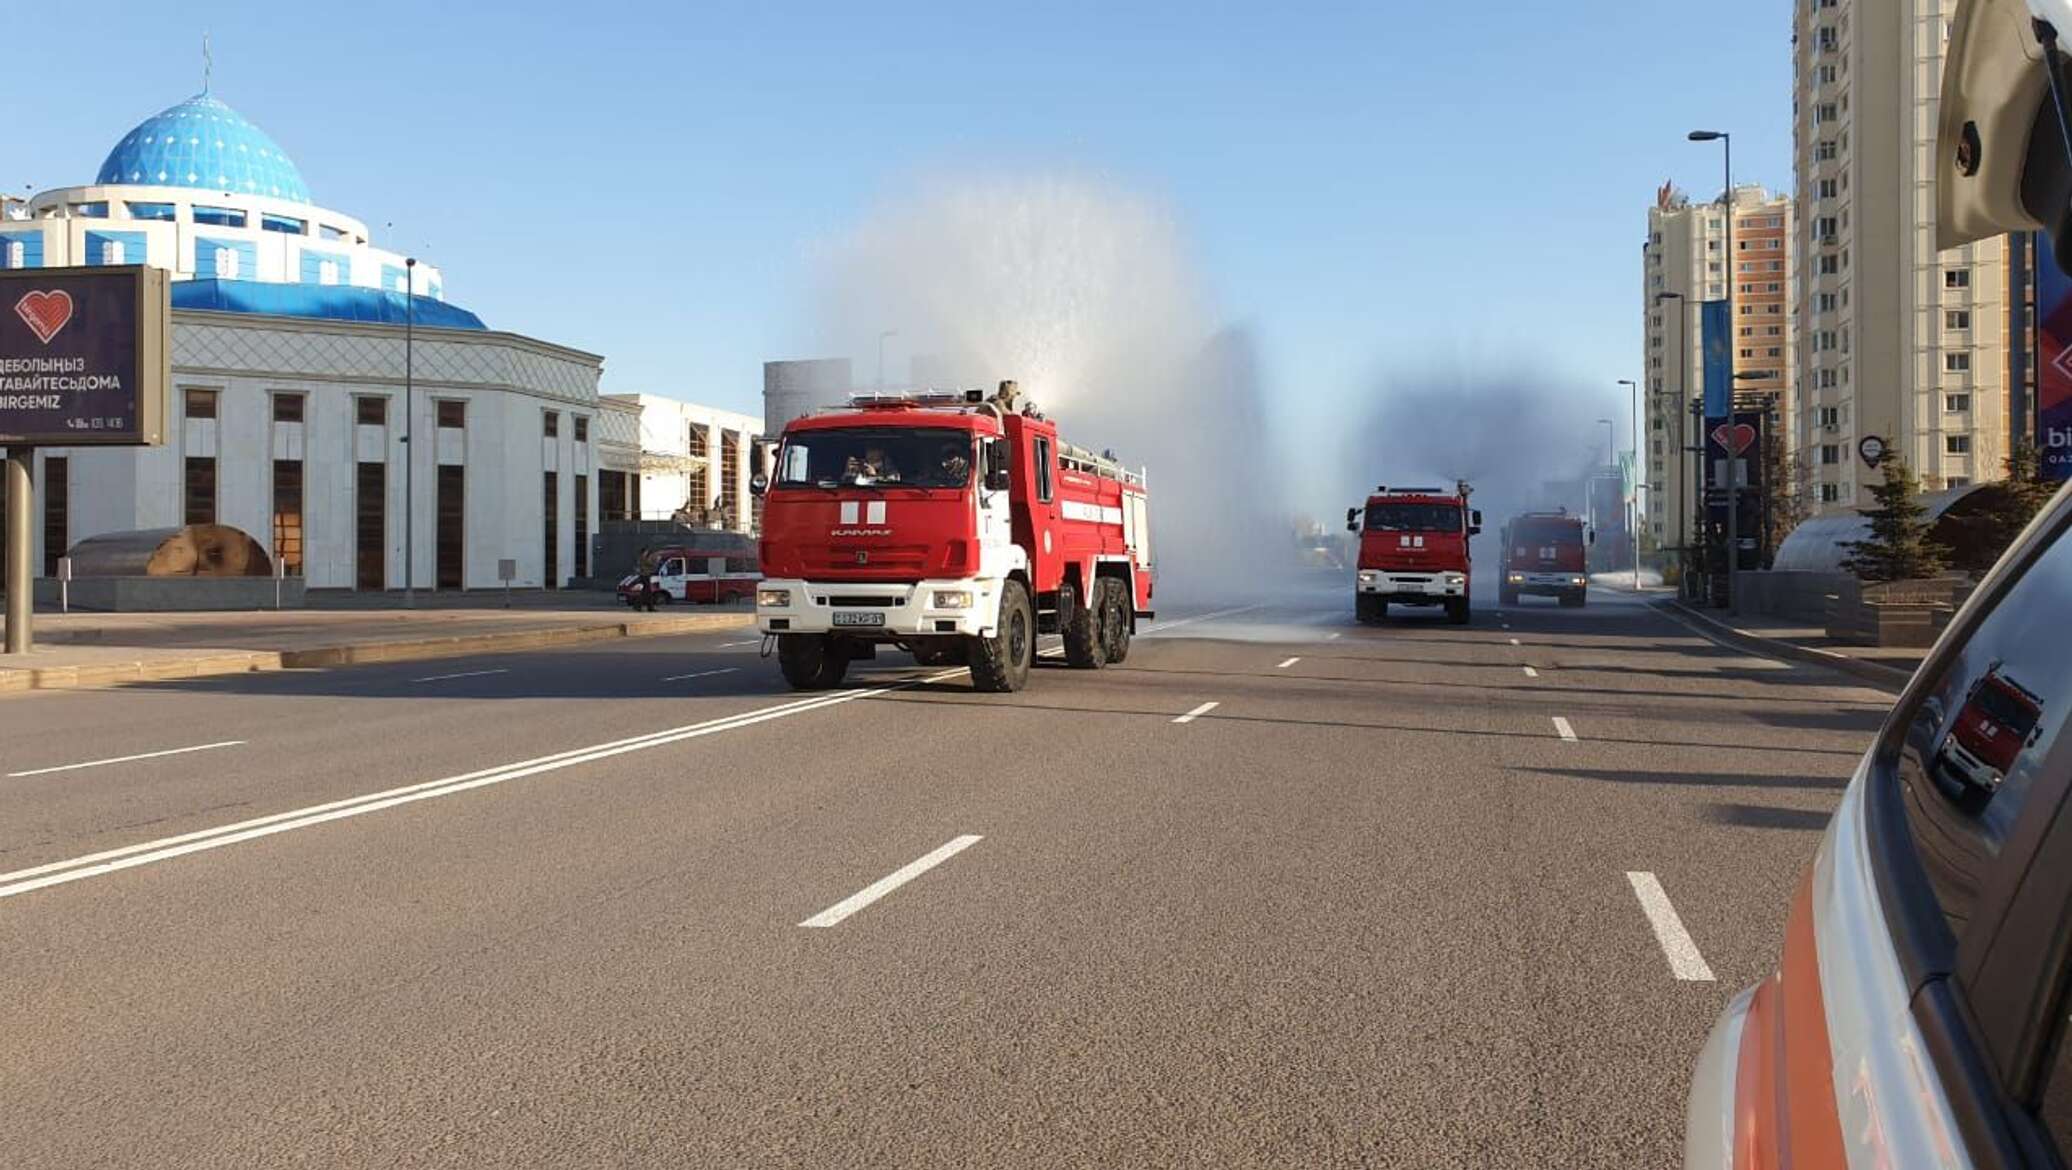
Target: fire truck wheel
pixel 1116 629
pixel 1368 610
pixel 1085 627
pixel 1000 664
pixel 811 662
pixel 1507 596
pixel 1573 600
pixel 1457 612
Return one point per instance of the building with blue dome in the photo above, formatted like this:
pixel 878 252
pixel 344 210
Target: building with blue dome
pixel 199 190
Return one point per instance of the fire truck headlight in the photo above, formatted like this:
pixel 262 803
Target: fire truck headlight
pixel 1456 578
pixel 773 598
pixel 1517 578
pixel 1368 576
pixel 1578 579
pixel 951 599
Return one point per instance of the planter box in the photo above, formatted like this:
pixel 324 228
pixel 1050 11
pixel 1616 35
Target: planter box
pixel 1893 613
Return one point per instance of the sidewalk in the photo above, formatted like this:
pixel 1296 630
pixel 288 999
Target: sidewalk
pixel 104 649
pixel 1885 666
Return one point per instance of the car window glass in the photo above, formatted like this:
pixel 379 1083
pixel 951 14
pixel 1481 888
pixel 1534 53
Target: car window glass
pixel 672 568
pixel 1043 469
pixel 1974 745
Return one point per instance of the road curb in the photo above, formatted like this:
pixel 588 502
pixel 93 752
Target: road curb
pixel 1878 674
pixel 51 678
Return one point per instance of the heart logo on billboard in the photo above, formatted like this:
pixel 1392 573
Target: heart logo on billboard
pixel 1736 438
pixel 45 312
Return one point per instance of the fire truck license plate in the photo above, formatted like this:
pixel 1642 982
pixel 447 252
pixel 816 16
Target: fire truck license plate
pixel 850 618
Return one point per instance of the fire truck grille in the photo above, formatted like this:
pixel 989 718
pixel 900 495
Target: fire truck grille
pixel 853 563
pixel 867 602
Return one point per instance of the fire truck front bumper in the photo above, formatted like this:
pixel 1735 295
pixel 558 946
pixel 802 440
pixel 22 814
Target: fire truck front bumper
pixel 1412 587
pixel 1545 584
pixel 880 613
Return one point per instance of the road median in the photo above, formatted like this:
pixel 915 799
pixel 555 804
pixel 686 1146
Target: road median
pixel 85 663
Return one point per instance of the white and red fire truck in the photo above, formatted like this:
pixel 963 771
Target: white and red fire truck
pixel 1414 550
pixel 954 527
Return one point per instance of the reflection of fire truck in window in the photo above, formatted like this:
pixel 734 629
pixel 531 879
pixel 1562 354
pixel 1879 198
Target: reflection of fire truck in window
pixel 951 526
pixel 1996 722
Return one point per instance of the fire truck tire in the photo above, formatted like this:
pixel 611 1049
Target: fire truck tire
pixel 1000 664
pixel 1457 612
pixel 1369 610
pixel 1507 597
pixel 811 662
pixel 1085 629
pixel 1115 625
pixel 1574 600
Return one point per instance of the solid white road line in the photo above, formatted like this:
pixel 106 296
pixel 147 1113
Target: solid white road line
pixel 1285 665
pixel 890 882
pixel 1531 673
pixel 701 674
pixel 1161 627
pixel 23 881
pixel 200 747
pixel 462 674
pixel 1562 728
pixel 1197 713
pixel 732 645
pixel 1684 960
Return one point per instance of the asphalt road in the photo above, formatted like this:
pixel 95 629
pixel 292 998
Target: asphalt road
pixel 1372 907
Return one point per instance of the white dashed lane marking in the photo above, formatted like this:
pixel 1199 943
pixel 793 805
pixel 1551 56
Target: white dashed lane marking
pixel 840 910
pixel 1684 960
pixel 1562 729
pixel 1197 713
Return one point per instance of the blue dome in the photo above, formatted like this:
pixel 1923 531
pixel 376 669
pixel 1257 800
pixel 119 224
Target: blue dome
pixel 204 144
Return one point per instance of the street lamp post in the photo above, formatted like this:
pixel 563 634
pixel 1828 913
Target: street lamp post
pixel 409 429
pixel 1726 199
pixel 1683 394
pixel 1633 507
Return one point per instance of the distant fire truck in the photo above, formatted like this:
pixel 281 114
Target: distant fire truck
pixel 1544 554
pixel 1413 550
pixel 952 526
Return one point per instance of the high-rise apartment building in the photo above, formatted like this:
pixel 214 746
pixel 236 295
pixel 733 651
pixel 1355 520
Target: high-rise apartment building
pixel 1685 262
pixel 1901 347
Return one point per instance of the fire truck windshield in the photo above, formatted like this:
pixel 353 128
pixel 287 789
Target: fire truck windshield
pixel 918 457
pixel 1544 532
pixel 1413 518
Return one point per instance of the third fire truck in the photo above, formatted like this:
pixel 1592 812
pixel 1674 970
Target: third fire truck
pixel 953 526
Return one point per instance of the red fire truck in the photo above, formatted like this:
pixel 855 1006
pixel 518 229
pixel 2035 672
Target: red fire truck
pixel 1413 550
pixel 1544 554
pixel 954 527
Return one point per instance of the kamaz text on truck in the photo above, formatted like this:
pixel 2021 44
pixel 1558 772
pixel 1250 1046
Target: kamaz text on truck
pixel 953 527
pixel 1413 550
pixel 1544 554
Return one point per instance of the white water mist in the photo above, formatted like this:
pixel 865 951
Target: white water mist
pixel 1087 295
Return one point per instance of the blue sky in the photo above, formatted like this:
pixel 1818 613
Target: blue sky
pixel 1366 186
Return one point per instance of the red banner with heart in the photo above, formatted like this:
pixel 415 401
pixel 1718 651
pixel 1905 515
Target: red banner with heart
pixel 45 312
pixel 1736 438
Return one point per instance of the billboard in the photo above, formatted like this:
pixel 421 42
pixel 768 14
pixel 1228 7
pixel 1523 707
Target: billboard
pixel 1716 329
pixel 2053 365
pixel 85 356
pixel 1743 435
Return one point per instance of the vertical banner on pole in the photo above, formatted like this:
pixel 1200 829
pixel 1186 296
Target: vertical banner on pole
pixel 2053 365
pixel 1716 326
